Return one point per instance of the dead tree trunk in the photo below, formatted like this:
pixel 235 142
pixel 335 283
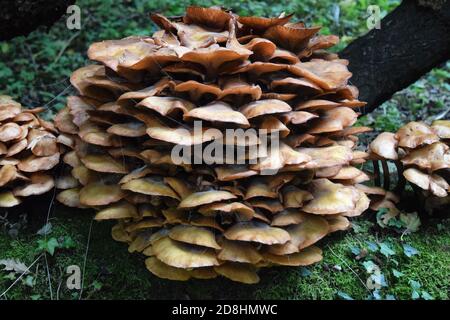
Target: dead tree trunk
pixel 413 39
pixel 20 17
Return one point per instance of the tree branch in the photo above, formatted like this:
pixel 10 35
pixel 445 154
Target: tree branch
pixel 413 39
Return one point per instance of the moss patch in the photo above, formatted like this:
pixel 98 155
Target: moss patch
pixel 112 273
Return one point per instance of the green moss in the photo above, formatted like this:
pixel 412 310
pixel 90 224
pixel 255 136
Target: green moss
pixel 112 273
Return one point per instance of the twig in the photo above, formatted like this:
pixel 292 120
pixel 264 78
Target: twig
pixel 85 258
pixel 20 277
pixel 348 266
pixel 63 49
pixel 48 277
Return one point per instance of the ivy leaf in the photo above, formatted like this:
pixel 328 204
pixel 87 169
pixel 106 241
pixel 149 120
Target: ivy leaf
pixel 376 295
pixel 304 272
pixel 344 295
pixel 411 221
pixel 29 281
pixel 426 296
pixel 409 251
pixel 370 266
pixel 48 245
pixel 386 250
pixel 415 289
pixel 397 273
pixel 355 250
pixel 45 230
pixel 68 243
pixel 386 217
pixel 14 265
pixel 372 246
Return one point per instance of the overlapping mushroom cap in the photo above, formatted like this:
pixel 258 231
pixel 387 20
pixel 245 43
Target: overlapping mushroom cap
pixel 424 152
pixel 289 181
pixel 29 149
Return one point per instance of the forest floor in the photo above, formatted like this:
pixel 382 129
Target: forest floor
pixel 367 262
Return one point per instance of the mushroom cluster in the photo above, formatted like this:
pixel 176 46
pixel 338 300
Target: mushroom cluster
pixel 421 154
pixel 29 150
pixel 229 217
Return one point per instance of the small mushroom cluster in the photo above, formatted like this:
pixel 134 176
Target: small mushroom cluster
pixel 197 219
pixel 28 151
pixel 422 155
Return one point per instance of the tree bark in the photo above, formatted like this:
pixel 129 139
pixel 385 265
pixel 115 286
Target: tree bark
pixel 20 17
pixel 413 39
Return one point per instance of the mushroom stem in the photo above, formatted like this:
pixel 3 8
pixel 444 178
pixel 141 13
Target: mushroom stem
pixel 400 187
pixel 376 172
pixel 386 178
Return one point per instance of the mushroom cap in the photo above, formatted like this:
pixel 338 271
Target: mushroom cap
pixel 10 131
pixel 238 272
pixel 279 157
pixel 194 235
pixel 273 124
pixel 212 17
pixel 257 232
pixel 8 108
pixel 119 234
pixel 40 183
pixel 287 217
pixel 362 204
pixel 166 106
pixel 385 146
pixel 435 183
pixel 414 134
pixel 198 90
pixel 332 120
pixel 309 231
pixel 8 200
pixel 234 172
pixel 180 186
pixel 181 255
pixel 129 129
pixel 120 210
pixel 305 257
pixel 238 251
pixel 329 75
pixel 297 117
pixel 165 271
pixel 153 186
pixel 8 173
pixel 103 163
pixel 259 188
pixel 441 128
pixel 432 157
pixel 100 194
pixel 34 163
pixel 337 223
pixel 70 198
pixel 183 136
pixel 197 199
pixel 218 112
pixel 263 107
pixel 294 197
pixel 260 24
pixel 291 37
pixel 330 198
pixel 174 216
pixel 242 211
pixel 327 156
pixel 271 205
